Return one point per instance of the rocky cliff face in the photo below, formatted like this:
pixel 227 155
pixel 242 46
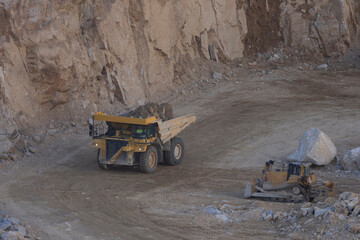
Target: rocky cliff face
pixel 57 55
pixel 324 28
pixel 66 59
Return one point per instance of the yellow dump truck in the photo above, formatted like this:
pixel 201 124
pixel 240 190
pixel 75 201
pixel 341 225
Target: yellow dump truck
pixel 139 142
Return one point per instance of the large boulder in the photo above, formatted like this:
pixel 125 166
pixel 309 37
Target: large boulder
pixel 315 147
pixel 351 159
pixel 5 144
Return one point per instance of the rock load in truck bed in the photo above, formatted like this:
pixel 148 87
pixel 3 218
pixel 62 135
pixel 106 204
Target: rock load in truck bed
pixel 162 111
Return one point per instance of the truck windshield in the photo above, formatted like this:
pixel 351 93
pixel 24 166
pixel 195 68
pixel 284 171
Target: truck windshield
pixel 140 131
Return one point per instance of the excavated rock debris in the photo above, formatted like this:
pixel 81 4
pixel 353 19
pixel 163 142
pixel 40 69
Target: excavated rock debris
pixel 338 217
pixel 11 228
pixel 162 111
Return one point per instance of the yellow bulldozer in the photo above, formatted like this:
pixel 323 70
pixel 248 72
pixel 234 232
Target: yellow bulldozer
pixel 287 181
pixel 138 141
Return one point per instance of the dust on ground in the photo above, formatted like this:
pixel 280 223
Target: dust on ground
pixel 241 123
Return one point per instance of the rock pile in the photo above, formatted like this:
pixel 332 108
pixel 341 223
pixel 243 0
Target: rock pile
pixel 335 215
pixel 12 229
pixel 339 218
pixel 163 111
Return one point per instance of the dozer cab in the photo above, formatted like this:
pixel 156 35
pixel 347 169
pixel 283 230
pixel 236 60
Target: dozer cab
pixel 292 182
pixel 138 141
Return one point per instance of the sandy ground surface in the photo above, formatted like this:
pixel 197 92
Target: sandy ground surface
pixel 63 194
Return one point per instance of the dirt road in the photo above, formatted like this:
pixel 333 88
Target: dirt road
pixel 64 195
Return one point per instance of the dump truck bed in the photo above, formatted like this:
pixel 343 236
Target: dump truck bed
pixel 170 128
pixel 125 120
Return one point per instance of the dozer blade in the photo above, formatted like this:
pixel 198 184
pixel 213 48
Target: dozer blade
pixel 248 190
pixel 322 189
pixel 330 186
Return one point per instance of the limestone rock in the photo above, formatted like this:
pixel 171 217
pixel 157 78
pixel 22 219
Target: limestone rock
pixel 348 196
pixel 5 144
pixel 355 228
pixel 308 221
pixel 222 217
pixel 344 196
pixel 305 211
pixel 332 217
pixel 278 216
pixel 351 159
pixel 268 218
pixel 14 221
pixel 4 157
pixel 4 225
pixel 351 205
pixel 11 235
pixel 340 209
pixel 341 217
pixel 356 211
pixel 330 201
pixel 20 229
pixel 314 147
pixel 251 215
pixel 319 212
pixel 322 66
pixel 211 210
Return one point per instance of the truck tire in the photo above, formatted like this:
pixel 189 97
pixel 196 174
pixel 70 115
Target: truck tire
pixel 149 160
pixel 176 154
pixel 100 163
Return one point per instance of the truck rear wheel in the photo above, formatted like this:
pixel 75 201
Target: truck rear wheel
pixel 176 154
pixel 100 158
pixel 149 160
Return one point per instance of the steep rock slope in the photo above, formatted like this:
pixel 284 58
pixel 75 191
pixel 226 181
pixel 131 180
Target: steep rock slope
pixel 81 53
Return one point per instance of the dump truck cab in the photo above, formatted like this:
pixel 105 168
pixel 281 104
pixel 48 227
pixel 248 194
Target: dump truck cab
pixel 138 141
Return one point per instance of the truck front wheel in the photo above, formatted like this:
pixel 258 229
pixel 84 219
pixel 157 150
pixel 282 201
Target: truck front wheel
pixel 149 160
pixel 176 154
pixel 100 158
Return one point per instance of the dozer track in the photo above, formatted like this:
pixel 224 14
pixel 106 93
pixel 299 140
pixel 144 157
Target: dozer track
pixel 279 196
